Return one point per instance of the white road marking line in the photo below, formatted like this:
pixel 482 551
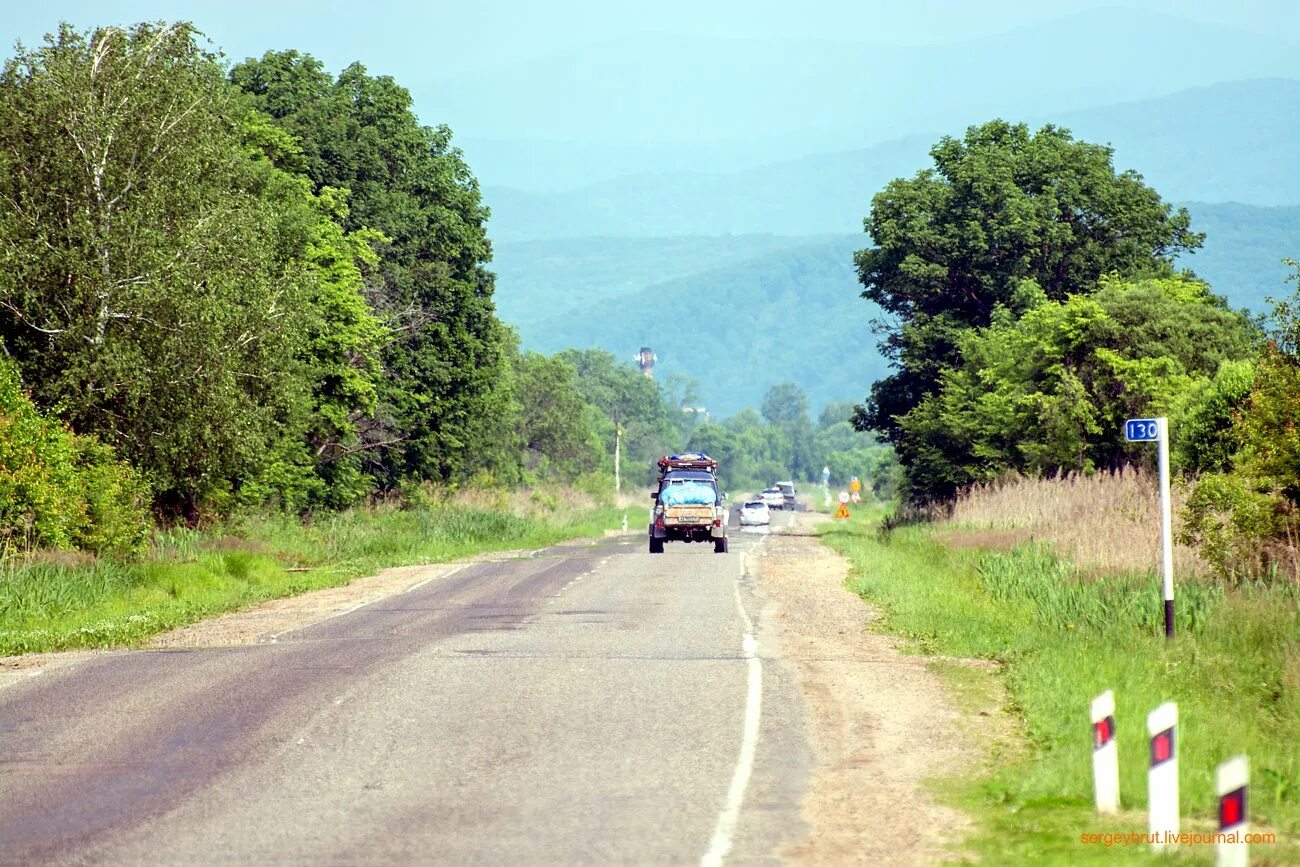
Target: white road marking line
pixel 720 845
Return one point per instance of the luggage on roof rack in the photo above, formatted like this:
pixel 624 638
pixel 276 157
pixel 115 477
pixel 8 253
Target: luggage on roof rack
pixel 688 461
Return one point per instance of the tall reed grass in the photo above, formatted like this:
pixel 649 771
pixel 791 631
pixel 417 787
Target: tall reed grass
pixel 1106 521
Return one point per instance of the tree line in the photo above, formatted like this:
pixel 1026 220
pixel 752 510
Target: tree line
pixel 263 285
pixel 1033 304
pixel 250 286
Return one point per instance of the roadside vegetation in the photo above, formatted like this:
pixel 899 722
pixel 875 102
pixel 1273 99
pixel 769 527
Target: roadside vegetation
pixel 1060 634
pixel 246 325
pixel 1035 304
pixel 60 600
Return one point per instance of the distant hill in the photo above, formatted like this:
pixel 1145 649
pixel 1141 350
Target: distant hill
pixel 791 314
pixel 1243 252
pixel 665 101
pixel 740 313
pixel 1227 142
pixel 547 281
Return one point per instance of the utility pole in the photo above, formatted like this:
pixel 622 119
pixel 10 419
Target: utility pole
pixel 618 437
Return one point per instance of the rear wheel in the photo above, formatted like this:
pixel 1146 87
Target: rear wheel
pixel 720 545
pixel 656 545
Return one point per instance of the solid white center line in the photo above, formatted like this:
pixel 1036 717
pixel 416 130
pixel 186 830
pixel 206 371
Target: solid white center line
pixel 720 846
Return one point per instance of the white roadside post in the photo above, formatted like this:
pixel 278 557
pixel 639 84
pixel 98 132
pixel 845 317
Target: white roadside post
pixel 1162 778
pixel 1145 430
pixel 1231 780
pixel 1105 754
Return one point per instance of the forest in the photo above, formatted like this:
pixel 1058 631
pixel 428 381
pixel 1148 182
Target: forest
pixel 1033 304
pixel 232 289
pixel 267 287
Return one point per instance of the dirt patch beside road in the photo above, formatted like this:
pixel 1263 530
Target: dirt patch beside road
pixel 879 721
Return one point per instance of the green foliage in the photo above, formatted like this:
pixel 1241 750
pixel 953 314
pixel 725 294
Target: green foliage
pixel 621 396
pixel 1205 442
pixel 955 244
pixel 754 452
pixel 1246 518
pixel 1047 392
pixel 785 406
pixel 59 490
pixel 139 269
pixel 1060 638
pixel 445 405
pixel 556 423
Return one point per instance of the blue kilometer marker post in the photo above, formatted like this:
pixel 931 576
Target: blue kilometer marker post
pixel 1156 430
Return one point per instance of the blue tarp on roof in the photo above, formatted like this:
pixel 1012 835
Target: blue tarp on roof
pixel 688 494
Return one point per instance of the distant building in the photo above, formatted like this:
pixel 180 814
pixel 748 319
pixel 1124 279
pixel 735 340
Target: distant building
pixel 645 359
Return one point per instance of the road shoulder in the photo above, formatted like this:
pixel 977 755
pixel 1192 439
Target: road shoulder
pixel 881 723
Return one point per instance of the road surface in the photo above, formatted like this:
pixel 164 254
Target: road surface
pixel 588 704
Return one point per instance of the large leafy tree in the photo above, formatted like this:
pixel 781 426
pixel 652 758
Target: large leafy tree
pixel 141 282
pixel 623 397
pixel 442 403
pixel 555 422
pixel 1003 205
pixel 785 407
pixel 1048 392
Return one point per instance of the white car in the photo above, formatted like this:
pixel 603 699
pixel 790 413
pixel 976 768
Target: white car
pixel 755 513
pixel 773 498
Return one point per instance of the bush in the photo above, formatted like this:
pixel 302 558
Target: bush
pixel 1242 527
pixel 60 490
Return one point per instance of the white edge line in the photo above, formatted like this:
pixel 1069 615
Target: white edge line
pixel 721 843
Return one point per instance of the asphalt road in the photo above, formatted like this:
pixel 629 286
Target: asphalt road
pixel 589 704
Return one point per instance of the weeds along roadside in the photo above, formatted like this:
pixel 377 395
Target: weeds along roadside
pixel 67 600
pixel 1061 635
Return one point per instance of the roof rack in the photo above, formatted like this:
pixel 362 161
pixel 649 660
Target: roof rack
pixel 688 461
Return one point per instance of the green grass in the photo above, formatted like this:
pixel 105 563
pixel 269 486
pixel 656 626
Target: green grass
pixel 60 602
pixel 1234 670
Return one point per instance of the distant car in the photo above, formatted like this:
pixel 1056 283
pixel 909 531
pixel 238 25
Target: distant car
pixel 754 513
pixel 787 491
pixel 772 498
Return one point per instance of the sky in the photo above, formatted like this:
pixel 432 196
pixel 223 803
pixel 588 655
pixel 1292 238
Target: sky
pixel 408 38
pixel 617 90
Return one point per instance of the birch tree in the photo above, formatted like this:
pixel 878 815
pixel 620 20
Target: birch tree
pixel 139 287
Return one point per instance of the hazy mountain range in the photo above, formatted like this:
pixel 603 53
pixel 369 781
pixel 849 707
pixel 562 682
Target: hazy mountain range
pixel 704 196
pixel 740 312
pixel 1227 142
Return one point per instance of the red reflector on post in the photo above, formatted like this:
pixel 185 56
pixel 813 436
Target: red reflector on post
pixel 1103 732
pixel 1232 808
pixel 1162 747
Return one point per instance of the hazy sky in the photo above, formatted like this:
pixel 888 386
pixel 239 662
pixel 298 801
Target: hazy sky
pixel 408 38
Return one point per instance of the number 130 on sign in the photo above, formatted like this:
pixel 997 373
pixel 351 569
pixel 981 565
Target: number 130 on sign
pixel 1142 430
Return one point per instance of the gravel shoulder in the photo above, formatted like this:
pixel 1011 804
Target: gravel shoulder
pixel 880 722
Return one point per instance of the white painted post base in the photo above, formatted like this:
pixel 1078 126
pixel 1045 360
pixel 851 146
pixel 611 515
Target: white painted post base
pixel 1231 784
pixel 1162 778
pixel 1105 753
